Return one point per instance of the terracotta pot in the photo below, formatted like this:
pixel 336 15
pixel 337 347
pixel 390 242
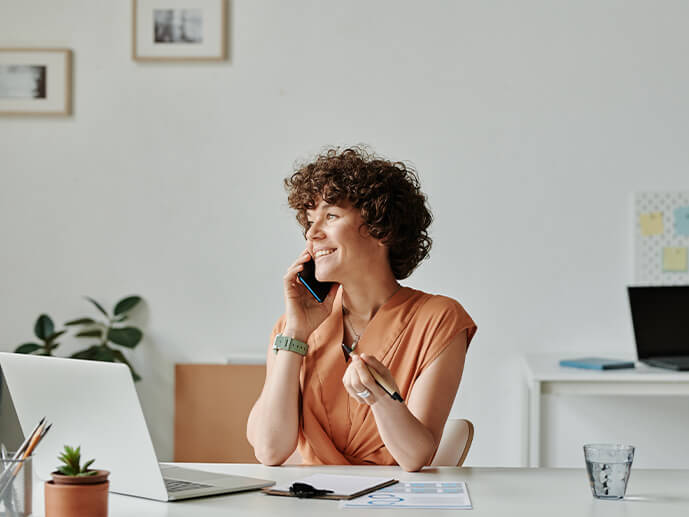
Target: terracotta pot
pixel 71 496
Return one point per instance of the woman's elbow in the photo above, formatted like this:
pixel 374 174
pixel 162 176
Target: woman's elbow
pixel 412 467
pixel 272 452
pixel 416 462
pixel 271 456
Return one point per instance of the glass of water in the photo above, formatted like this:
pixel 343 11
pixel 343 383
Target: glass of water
pixel 608 466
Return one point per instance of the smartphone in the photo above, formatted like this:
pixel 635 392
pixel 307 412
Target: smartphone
pixel 307 276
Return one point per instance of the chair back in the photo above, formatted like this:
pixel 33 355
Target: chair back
pixel 454 444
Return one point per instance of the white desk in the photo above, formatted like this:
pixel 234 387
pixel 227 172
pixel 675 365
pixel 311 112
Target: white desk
pixel 544 376
pixel 494 492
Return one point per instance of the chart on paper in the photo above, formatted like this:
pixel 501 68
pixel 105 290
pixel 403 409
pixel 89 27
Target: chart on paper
pixel 445 495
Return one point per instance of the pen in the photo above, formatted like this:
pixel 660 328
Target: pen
pixel 376 376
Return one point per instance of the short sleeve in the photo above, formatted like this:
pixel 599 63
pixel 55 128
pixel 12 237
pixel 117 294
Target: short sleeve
pixel 442 320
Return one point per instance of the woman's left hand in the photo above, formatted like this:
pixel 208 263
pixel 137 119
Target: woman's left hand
pixel 359 382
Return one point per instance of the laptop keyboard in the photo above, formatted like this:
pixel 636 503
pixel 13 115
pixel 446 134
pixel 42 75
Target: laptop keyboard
pixel 175 485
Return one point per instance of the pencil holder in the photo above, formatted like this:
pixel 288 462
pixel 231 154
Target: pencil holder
pixel 15 486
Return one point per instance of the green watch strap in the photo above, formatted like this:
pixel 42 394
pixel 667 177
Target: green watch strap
pixel 290 344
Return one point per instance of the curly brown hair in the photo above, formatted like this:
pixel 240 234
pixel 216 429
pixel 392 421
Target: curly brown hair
pixel 387 194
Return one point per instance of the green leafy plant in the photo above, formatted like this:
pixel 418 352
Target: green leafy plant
pixel 44 329
pixel 111 329
pixel 71 459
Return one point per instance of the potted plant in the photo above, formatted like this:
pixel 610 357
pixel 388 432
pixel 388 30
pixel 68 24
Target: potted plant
pixel 108 330
pixel 76 490
pixel 44 329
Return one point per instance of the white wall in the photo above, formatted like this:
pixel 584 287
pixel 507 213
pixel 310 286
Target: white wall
pixel 531 123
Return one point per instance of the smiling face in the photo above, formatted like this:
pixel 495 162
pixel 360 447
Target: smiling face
pixel 338 241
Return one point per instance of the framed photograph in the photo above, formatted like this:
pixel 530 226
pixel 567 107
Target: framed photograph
pixel 179 30
pixel 35 81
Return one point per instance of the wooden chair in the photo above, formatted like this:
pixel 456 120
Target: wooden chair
pixel 454 445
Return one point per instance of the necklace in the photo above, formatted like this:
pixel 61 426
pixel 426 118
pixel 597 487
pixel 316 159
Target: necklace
pixel 345 316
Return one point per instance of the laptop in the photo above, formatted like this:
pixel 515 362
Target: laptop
pixel 94 404
pixel 661 325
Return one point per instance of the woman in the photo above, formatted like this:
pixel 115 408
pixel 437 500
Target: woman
pixel 365 221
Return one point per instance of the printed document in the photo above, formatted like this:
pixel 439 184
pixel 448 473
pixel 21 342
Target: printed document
pixel 445 495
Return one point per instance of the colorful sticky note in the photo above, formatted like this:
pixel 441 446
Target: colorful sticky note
pixel 674 259
pixel 651 223
pixel 682 220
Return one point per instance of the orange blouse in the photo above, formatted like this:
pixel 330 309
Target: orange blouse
pixel 406 334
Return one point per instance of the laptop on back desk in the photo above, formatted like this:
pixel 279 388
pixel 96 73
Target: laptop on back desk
pixel 94 404
pixel 660 315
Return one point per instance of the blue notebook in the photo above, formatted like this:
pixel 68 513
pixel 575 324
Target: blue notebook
pixel 597 363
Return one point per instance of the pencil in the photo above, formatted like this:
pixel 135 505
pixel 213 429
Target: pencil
pixel 21 448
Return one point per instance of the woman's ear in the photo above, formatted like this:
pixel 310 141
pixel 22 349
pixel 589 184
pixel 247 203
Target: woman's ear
pixel 364 231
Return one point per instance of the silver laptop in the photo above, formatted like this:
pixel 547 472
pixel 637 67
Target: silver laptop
pixel 94 405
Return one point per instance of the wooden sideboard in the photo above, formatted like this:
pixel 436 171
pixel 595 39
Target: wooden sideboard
pixel 212 404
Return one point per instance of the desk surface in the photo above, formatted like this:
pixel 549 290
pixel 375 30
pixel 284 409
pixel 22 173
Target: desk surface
pixel 544 376
pixel 546 368
pixel 493 491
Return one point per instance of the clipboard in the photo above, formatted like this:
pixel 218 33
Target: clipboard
pixel 342 486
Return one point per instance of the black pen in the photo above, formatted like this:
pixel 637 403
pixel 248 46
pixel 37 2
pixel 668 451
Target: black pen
pixel 376 376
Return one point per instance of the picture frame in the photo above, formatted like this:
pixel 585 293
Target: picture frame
pixel 179 30
pixel 35 81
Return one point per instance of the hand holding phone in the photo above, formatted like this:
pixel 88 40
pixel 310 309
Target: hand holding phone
pixel 307 301
pixel 307 277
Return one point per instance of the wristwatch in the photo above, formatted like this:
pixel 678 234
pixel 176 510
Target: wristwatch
pixel 290 344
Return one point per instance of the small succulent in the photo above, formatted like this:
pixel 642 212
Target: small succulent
pixel 71 459
pixel 44 329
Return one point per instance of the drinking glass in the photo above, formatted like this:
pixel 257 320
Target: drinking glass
pixel 608 466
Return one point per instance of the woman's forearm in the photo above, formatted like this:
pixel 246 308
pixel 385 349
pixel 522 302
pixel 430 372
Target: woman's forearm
pixel 408 440
pixel 273 425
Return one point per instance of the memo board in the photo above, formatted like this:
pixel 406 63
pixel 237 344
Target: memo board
pixel 661 238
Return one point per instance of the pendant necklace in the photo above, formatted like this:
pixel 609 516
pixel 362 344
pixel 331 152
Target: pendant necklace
pixel 345 316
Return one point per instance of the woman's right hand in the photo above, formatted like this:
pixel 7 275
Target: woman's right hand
pixel 303 313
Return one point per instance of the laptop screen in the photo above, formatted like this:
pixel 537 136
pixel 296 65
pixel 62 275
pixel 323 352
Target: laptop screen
pixel 660 316
pixel 10 430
